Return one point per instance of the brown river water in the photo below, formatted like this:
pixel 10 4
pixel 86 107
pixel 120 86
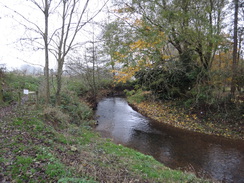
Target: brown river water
pixel 216 158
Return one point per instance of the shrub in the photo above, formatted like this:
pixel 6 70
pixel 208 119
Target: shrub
pixel 9 97
pixel 72 105
pixel 76 86
pixel 105 83
pixel 168 83
pixel 56 116
pixel 136 96
pixel 129 93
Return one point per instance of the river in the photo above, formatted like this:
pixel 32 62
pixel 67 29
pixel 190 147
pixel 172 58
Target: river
pixel 207 156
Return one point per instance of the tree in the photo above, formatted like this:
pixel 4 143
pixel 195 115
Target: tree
pixel 117 37
pixel 73 19
pixel 91 58
pixel 64 44
pixel 34 27
pixel 46 12
pixel 192 27
pixel 1 83
pixel 235 51
pixel 70 16
pixel 182 34
pixel 91 67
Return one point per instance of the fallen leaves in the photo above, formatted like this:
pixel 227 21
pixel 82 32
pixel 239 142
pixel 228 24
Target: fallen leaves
pixel 167 113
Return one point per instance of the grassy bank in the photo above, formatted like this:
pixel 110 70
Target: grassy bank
pixel 34 149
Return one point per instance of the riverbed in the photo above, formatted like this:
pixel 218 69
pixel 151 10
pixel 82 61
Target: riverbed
pixel 207 156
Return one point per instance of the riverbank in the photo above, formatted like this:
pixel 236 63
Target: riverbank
pixel 169 113
pixel 35 148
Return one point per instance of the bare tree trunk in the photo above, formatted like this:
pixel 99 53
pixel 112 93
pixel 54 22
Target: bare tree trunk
pixel 63 45
pixel 1 91
pixel 59 81
pixel 1 83
pixel 234 64
pixel 46 13
pixel 67 34
pixel 93 70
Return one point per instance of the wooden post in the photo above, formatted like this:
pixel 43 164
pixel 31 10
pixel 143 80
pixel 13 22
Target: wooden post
pixel 19 98
pixel 1 95
pixel 37 100
pixel 1 88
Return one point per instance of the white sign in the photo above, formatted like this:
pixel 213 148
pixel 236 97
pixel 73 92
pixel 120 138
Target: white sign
pixel 26 92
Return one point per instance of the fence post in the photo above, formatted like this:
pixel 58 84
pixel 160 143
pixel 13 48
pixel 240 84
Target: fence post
pixel 19 98
pixel 1 95
pixel 37 99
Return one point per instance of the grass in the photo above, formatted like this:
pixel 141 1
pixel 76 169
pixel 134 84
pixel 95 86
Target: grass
pixel 32 150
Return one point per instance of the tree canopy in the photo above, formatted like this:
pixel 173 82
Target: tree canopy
pixel 170 47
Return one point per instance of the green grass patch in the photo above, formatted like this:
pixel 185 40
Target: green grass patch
pixel 20 169
pixel 18 122
pixel 139 164
pixel 56 169
pixel 75 180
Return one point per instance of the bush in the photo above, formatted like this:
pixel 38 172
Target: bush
pixel 136 96
pixel 129 93
pixel 72 105
pixel 168 83
pixel 105 83
pixel 9 97
pixel 76 86
pixel 56 116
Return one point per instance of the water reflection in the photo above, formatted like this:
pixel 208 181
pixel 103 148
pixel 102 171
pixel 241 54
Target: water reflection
pixel 179 149
pixel 224 164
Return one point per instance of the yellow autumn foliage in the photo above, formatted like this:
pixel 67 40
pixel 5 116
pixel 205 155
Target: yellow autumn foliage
pixel 222 61
pixel 152 44
pixel 138 22
pixel 140 44
pixel 126 74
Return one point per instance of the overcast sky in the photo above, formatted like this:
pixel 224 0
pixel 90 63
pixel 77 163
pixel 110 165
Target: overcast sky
pixel 14 52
